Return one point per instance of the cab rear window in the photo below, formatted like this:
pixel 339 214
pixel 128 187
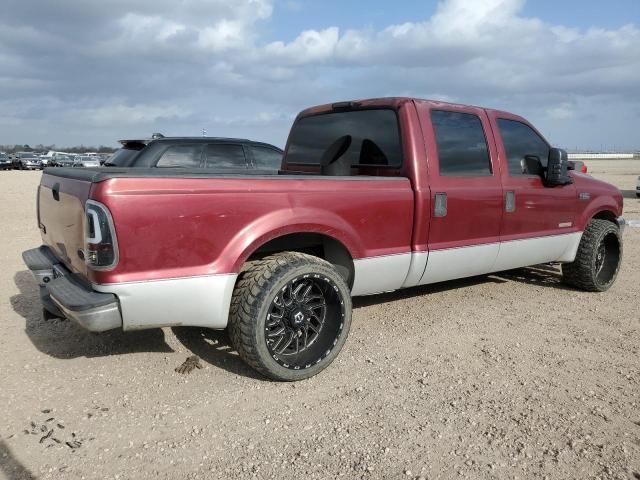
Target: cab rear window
pixel 124 156
pixel 375 138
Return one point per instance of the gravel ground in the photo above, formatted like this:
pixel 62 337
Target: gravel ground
pixel 503 376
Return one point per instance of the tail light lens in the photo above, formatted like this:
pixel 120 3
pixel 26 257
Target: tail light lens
pixel 101 246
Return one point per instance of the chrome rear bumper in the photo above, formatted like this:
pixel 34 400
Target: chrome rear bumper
pixel 63 294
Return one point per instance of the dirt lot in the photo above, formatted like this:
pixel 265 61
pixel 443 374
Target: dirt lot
pixel 506 376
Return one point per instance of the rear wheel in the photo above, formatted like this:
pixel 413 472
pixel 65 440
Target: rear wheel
pixel 290 315
pixel 597 261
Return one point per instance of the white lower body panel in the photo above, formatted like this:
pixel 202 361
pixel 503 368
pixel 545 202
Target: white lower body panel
pixel 191 301
pixel 391 272
pixel 453 263
pixel 555 248
pixel 204 301
pixel 380 274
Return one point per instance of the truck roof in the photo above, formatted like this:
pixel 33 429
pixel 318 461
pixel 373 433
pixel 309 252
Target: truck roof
pixel 393 102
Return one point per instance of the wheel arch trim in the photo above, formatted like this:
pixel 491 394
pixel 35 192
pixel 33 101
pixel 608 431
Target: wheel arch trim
pixel 598 206
pixel 275 225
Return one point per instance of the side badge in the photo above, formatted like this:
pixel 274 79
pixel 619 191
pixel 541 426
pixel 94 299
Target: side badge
pixel 584 196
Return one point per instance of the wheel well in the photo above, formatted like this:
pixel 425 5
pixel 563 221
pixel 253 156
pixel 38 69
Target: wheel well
pixel 606 215
pixel 315 244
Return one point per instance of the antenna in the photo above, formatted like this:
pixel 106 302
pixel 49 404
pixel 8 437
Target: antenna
pixel 204 132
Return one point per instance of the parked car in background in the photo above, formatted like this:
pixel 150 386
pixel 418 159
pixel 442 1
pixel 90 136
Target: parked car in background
pixel 229 154
pixel 86 161
pixel 638 187
pixel 26 161
pixel 578 166
pixel 62 161
pixel 57 158
pixel 5 162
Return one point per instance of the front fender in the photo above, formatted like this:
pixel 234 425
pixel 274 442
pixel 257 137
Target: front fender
pixel 597 205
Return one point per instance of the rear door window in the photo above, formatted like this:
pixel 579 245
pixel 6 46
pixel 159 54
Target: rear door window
pixel 184 156
pixel 462 146
pixel 225 155
pixel 264 157
pixel 375 137
pixel 520 140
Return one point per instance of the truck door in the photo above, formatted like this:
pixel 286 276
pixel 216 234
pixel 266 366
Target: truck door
pixel 466 192
pixel 538 224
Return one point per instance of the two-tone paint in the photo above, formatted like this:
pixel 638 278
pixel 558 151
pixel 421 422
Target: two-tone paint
pixel 183 239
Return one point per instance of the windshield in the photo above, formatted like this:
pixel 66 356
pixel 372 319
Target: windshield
pixel 124 156
pixel 375 138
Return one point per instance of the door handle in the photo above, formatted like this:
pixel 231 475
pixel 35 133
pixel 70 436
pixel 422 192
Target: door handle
pixel 440 205
pixel 510 201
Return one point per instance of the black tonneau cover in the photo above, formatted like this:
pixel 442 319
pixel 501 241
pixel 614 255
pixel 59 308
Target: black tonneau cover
pixel 100 174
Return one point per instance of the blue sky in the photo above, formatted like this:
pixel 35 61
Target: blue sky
pixel 89 72
pixel 290 15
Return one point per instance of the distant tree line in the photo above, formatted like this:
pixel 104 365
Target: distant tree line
pixel 45 148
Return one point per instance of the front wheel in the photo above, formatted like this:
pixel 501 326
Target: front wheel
pixel 597 261
pixel 290 315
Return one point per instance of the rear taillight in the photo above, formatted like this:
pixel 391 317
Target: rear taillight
pixel 584 168
pixel 101 246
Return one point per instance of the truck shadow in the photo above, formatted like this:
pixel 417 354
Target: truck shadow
pixel 214 347
pixel 541 275
pixel 65 339
pixel 10 466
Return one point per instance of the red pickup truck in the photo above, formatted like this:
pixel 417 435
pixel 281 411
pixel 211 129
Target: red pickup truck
pixel 373 196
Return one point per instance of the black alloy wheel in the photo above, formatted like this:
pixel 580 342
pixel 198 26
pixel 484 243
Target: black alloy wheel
pixel 607 258
pixel 598 258
pixel 304 321
pixel 290 315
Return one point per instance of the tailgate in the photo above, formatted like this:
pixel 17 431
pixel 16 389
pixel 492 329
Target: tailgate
pixel 61 217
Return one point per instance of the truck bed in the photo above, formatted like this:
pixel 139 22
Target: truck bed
pixel 191 222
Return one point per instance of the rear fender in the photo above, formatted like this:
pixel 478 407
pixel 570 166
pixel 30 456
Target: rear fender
pixel 277 224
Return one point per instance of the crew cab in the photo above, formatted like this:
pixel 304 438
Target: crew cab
pixel 373 196
pixel 225 154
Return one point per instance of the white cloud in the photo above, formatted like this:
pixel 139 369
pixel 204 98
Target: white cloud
pixel 562 111
pixel 138 27
pixel 224 35
pixel 132 115
pixel 310 46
